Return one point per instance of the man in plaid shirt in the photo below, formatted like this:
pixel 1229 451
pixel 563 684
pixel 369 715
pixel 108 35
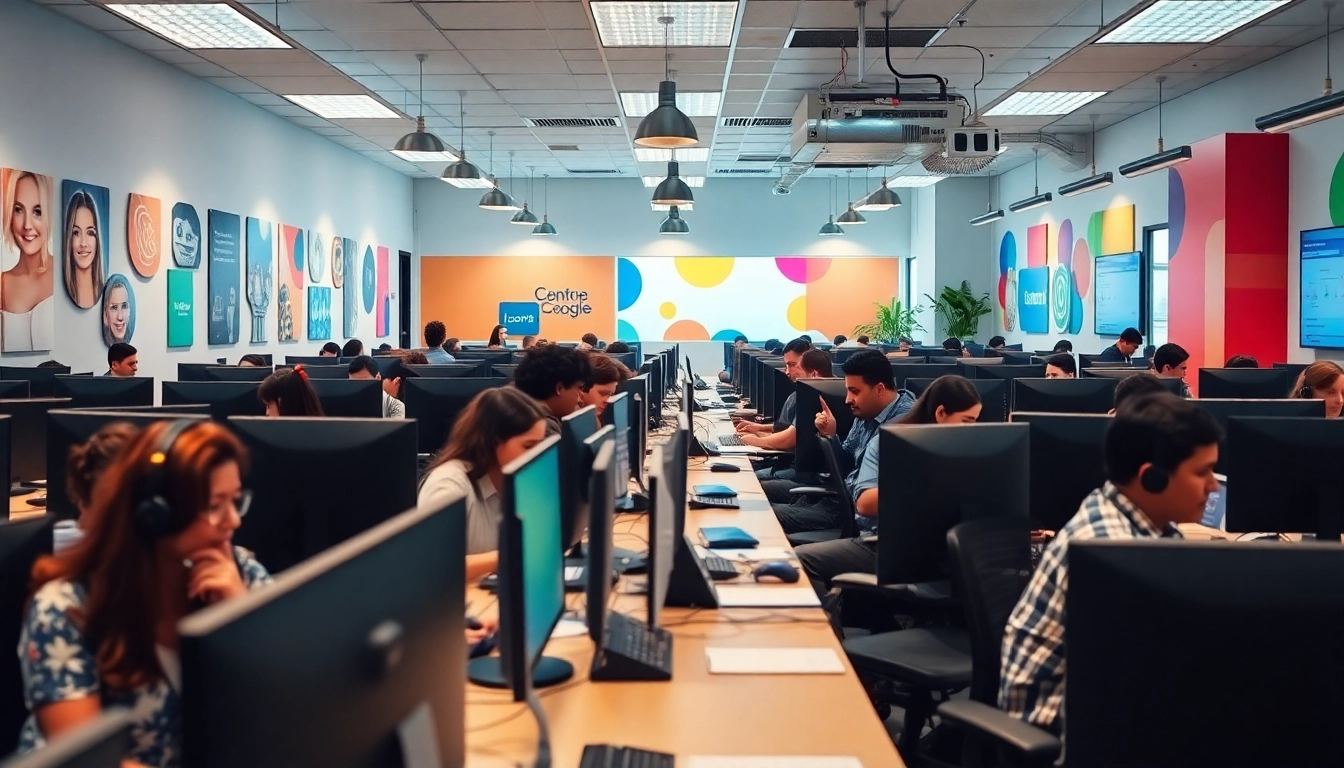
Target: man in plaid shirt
pixel 1159 453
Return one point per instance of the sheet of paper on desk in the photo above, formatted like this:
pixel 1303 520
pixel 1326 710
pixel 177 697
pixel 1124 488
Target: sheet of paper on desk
pixel 573 572
pixel 767 596
pixel 759 554
pixel 773 661
pixel 771 761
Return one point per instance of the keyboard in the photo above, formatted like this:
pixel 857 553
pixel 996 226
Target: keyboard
pixel 730 439
pixel 714 502
pixel 700 383
pixel 610 756
pixel 720 568
pixel 637 641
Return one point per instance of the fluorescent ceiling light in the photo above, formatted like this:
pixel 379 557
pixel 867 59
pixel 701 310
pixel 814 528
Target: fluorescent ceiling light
pixel 1156 162
pixel 988 217
pixel 1043 102
pixel 481 183
pixel 1302 114
pixel 693 103
pixel 1189 21
pixel 688 155
pixel 691 181
pixel 661 207
pixel 343 106
pixel 910 182
pixel 699 24
pixel 1035 201
pixel 1093 182
pixel 426 157
pixel 206 25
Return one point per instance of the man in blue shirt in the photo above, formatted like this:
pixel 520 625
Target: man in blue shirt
pixel 435 335
pixel 726 375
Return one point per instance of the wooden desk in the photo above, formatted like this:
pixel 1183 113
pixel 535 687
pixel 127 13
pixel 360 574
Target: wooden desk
pixel 19 508
pixel 695 713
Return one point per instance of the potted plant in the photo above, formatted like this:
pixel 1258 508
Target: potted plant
pixel 891 323
pixel 960 310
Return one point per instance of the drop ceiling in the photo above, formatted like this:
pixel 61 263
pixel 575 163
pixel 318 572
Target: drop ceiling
pixel 513 61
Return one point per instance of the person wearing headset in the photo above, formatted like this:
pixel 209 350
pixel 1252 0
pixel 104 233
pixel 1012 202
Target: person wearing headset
pixel 1159 456
pixel 1322 380
pixel 101 628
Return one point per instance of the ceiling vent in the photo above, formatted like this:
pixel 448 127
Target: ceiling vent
pixel 763 158
pixel 598 171
pixel 563 147
pixel 756 122
pixel 741 171
pixel 572 122
pixel 849 38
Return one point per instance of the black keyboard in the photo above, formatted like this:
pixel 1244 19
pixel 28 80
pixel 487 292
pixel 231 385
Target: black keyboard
pixel 730 439
pixel 700 383
pixel 720 568
pixel 714 502
pixel 636 640
pixel 611 756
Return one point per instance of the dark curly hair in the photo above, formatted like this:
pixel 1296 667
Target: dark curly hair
pixel 548 367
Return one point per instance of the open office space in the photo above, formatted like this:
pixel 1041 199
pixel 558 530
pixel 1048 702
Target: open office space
pixel 416 230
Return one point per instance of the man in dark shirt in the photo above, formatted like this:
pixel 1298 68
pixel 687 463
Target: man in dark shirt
pixel 555 376
pixel 1123 349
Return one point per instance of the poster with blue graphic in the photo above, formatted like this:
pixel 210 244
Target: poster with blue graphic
pixel 350 294
pixel 224 277
pixel 369 278
pixel 260 274
pixel 319 314
pixel 1033 306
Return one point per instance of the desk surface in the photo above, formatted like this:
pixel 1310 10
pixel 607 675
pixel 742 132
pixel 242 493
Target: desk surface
pixel 696 713
pixel 19 508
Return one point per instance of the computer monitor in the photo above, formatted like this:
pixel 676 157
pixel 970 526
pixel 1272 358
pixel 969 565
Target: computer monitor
pixel 436 403
pixel 349 398
pixel 1247 383
pixel 1064 395
pixel 623 417
pixel 28 423
pixel 688 583
pixel 575 429
pixel 105 391
pixel 345 661
pixel 225 398
pixel 503 371
pixel 962 472
pixel 807 456
pixel 1223 410
pixel 638 388
pixel 531 577
pixel 782 388
pixel 487 356
pixel 1066 463
pixel 663 501
pixel 21 543
pixel 13 390
pixel 7 446
pixel 604 482
pixel 903 371
pixel 1010 357
pixel 1294 370
pixel 293 360
pixel 657 389
pixel 324 372
pixel 449 370
pixel 237 373
pixel 967 366
pixel 41 381
pixel 1283 476
pixel 993 396
pixel 66 429
pixel 1119 374
pixel 1204 654
pixel 318 482
pixel 627 359
pixel 1011 372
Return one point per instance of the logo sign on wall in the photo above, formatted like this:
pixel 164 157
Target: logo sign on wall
pixel 143 217
pixel 186 236
pixel 1061 298
pixel 1033 311
pixel 522 318
pixel 180 315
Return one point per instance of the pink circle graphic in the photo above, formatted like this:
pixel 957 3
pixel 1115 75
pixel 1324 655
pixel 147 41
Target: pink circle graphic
pixel 1082 267
pixel 801 269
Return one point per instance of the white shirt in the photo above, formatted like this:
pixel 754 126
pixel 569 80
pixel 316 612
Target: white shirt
pixel 447 483
pixel 31 330
pixel 393 408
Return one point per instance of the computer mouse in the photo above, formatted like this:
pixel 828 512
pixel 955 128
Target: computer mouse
pixel 776 570
pixel 482 647
pixel 724 468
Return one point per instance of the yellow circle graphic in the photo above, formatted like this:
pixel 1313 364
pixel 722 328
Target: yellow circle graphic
pixel 668 310
pixel 798 313
pixel 704 271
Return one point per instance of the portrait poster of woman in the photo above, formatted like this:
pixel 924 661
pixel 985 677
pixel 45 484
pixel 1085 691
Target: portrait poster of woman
pixel 84 251
pixel 118 310
pixel 27 262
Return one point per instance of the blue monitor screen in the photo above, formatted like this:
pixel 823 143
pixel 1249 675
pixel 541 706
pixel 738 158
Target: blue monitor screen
pixel 1118 293
pixel 537 505
pixel 1322 288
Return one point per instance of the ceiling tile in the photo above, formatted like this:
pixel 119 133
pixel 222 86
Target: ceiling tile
pixel 574 38
pixel 286 16
pixel 1002 37
pixel 366 17
pixel 396 41
pixel 995 13
pixel 752 67
pixel 320 41
pixel 500 15
pixel 517 40
pixel 763 37
pixel 142 40
pixel 1093 81
pixel 235 84
pixel 526 82
pixel 564 15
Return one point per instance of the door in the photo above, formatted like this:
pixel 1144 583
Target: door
pixel 404 305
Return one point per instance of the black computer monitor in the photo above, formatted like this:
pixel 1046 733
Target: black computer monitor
pixel 1011 372
pixel 688 584
pixel 435 404
pixel 324 372
pixel 603 483
pixel 21 543
pixel 7 446
pixel 317 482
pixel 1185 653
pixel 1010 357
pixel 657 389
pixel 1294 370
pixel 575 429
pixel 450 370
pixel 1248 383
pixel 807 456
pixel 345 653
pixel 1064 395
pixel 1223 410
pixel 663 501
pixel 993 396
pixel 350 398
pixel 962 472
pixel 628 359
pixel 225 398
pixel 623 416
pixel 66 429
pixel 193 371
pixel 503 371
pixel 293 360
pixel 105 391
pixel 238 373
pixel 638 386
pixel 783 387
pixel 1066 463
pixel 28 439
pixel 1283 476
pixel 1119 374
pixel 487 356
pixel 41 381
pixel 902 371
pixel 531 577
pixel 1088 361
pixel 13 390
pixel 967 366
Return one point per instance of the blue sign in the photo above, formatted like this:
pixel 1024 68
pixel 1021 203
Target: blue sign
pixel 1033 303
pixel 521 318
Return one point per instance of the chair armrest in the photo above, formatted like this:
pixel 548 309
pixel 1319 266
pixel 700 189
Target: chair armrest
pixel 932 594
pixel 1039 746
pixel 810 490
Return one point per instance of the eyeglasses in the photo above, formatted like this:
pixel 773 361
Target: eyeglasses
pixel 240 503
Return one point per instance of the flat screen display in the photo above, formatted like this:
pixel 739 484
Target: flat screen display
pixel 1322 287
pixel 1119 293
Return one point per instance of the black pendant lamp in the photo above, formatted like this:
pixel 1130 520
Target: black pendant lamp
pixel 666 127
pixel 526 218
pixel 545 228
pixel 420 145
pixel 463 173
pixel 495 199
pixel 672 190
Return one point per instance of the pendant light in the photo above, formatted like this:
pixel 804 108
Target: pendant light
pixel 672 190
pixel 1325 106
pixel 883 199
pixel 830 228
pixel 526 218
pixel 1037 199
pixel 1164 158
pixel 991 213
pixel 495 199
pixel 464 174
pixel 850 216
pixel 674 224
pixel 666 127
pixel 421 146
pixel 545 228
pixel 1096 180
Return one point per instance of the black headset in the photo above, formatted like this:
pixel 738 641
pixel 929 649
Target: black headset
pixel 1157 477
pixel 1306 393
pixel 151 514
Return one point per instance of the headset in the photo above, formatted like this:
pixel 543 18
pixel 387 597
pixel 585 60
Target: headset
pixel 151 513
pixel 1306 393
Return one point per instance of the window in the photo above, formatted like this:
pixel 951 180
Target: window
pixel 909 289
pixel 1155 245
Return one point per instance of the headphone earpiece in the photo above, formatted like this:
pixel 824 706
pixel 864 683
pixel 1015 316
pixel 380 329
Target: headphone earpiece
pixel 1154 479
pixel 1306 393
pixel 151 514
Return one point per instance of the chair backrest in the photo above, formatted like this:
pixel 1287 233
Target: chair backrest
pixel 849 528
pixel 991 565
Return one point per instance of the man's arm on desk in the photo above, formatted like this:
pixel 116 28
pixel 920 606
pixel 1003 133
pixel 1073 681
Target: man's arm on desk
pixel 783 440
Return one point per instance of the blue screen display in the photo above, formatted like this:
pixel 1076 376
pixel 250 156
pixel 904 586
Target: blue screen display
pixel 1119 298
pixel 537 505
pixel 1322 288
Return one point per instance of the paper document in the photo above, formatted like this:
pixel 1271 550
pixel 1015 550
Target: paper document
pixel 773 661
pixel 772 761
pixel 757 555
pixel 767 596
pixel 573 572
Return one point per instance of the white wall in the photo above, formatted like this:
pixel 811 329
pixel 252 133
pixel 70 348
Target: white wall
pixel 959 247
pixel 79 105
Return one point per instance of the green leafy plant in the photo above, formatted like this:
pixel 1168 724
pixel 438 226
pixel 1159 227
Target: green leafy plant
pixel 891 323
pixel 960 310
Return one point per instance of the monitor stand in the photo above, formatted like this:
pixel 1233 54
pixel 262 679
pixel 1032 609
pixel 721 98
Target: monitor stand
pixel 632 502
pixel 690 585
pixel 488 672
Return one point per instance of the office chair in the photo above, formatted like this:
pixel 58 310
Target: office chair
pixel 848 527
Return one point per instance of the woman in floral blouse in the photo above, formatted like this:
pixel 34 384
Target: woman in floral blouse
pixel 101 630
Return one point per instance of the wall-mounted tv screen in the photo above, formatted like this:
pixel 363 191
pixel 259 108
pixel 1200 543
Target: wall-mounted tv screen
pixel 1119 293
pixel 1322 287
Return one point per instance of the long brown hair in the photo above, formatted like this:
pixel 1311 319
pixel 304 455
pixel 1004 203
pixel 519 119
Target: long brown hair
pixel 88 460
pixel 606 370
pixel 289 389
pixel 491 418
pixel 1318 375
pixel 117 565
pixel 954 393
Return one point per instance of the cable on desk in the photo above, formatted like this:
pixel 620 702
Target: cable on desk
pixel 501 721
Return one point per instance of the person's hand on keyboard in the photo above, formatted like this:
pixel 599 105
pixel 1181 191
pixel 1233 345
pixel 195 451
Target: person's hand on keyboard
pixel 755 441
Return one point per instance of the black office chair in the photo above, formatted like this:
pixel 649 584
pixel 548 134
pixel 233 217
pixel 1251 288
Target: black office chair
pixel 21 543
pixel 848 527
pixel 991 568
